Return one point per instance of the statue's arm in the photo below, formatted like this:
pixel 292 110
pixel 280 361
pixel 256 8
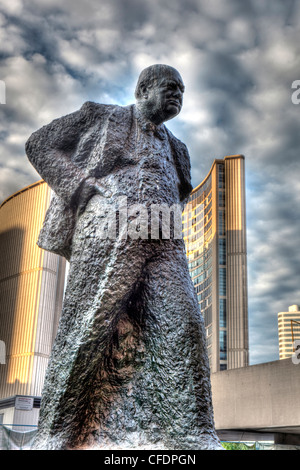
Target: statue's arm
pixel 50 150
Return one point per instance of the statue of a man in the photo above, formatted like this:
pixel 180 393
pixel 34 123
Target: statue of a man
pixel 129 367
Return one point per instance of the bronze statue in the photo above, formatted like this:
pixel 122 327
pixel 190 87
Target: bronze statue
pixel 129 367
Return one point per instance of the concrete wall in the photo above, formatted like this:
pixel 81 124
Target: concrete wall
pixel 258 397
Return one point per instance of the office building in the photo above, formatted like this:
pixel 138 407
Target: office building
pixel 288 331
pixel 31 293
pixel 214 231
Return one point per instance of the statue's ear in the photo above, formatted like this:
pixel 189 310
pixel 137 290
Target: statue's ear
pixel 144 91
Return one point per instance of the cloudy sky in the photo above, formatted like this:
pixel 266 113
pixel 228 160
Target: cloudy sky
pixel 238 60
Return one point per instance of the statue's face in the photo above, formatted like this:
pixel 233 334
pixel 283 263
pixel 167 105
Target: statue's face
pixel 166 98
pixel 163 100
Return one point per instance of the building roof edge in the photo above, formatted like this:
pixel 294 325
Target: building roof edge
pixel 26 188
pixel 216 160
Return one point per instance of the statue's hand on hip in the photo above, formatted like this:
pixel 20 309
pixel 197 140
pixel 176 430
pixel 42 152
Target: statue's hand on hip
pixel 90 187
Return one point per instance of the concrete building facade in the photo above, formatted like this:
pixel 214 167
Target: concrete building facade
pixel 31 294
pixel 262 398
pixel 214 231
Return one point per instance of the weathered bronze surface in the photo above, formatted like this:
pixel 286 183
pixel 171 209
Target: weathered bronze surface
pixel 129 367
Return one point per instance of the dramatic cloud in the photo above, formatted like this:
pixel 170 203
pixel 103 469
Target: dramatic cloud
pixel 238 61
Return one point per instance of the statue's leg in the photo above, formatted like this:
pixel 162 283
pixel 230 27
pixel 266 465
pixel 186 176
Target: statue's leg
pixel 177 375
pixel 162 396
pixel 102 276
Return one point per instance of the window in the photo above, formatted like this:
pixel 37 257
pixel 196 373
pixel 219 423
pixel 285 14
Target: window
pixel 223 345
pixel 222 251
pixel 221 177
pixel 222 313
pixel 222 282
pixel 208 320
pixel 221 223
pixel 221 199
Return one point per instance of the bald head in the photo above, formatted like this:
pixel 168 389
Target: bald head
pixel 154 74
pixel 159 93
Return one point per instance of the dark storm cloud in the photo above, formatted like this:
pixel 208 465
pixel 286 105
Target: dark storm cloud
pixel 238 61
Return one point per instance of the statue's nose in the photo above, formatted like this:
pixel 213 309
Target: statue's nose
pixel 177 93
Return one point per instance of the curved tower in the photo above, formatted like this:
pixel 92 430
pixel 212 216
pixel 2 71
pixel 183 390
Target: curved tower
pixel 31 292
pixel 214 231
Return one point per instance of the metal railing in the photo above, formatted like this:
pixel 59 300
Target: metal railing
pixel 17 439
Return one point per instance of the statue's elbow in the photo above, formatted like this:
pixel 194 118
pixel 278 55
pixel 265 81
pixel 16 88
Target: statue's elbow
pixel 32 146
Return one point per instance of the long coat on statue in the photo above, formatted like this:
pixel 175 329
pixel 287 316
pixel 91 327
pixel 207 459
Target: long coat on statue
pixel 90 142
pixel 129 367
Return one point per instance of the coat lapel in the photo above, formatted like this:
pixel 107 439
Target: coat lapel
pixel 98 153
pixel 183 165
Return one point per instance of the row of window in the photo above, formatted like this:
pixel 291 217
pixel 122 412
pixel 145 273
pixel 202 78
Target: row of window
pixel 207 208
pixel 198 213
pixel 200 228
pixel 221 199
pixel 207 314
pixel 223 344
pixel 288 317
pixel 208 234
pixel 221 179
pixel 222 282
pixel 288 338
pixel 204 256
pixel 222 313
pixel 199 223
pixel 203 285
pixel 222 251
pixel 205 189
pixel 204 295
pixel 222 223
pixel 288 332
pixel 196 226
pixel 204 303
pixel 287 326
pixel 204 272
pixel 204 203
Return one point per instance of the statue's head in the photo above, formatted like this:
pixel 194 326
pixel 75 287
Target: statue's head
pixel 159 93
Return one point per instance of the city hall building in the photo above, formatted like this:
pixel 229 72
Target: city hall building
pixel 31 294
pixel 214 231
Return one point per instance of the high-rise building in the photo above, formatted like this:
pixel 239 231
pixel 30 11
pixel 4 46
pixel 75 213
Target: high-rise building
pixel 288 331
pixel 214 231
pixel 31 294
